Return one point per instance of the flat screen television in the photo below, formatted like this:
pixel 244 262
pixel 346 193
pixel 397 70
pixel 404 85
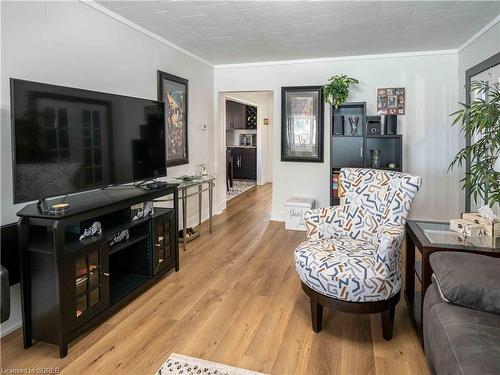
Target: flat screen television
pixel 68 140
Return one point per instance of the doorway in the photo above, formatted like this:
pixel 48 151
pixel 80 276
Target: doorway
pixel 245 121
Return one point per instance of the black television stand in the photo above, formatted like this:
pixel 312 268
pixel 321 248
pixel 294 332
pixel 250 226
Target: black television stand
pixel 69 285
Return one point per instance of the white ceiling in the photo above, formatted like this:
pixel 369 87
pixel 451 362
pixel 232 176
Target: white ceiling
pixel 225 32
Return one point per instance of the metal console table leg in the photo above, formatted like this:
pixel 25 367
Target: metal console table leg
pixel 200 195
pixel 184 195
pixel 184 217
pixel 210 202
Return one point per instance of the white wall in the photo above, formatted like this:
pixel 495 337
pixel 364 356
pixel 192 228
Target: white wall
pixel 72 44
pixel 428 140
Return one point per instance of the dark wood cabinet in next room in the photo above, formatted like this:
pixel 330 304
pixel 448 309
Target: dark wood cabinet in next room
pixel 244 162
pixel 235 115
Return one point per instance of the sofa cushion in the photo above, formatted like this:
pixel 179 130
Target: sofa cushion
pixel 469 280
pixel 345 269
pixel 459 340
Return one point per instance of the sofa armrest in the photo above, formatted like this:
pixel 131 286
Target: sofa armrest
pixel 388 249
pixel 322 223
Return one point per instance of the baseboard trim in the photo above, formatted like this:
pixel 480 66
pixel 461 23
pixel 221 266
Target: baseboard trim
pixel 278 216
pixel 11 329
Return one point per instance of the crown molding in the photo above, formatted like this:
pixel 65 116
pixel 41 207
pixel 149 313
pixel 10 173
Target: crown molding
pixel 479 33
pixel 340 58
pixel 125 21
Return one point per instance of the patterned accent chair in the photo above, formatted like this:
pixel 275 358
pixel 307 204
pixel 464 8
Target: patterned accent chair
pixel 350 260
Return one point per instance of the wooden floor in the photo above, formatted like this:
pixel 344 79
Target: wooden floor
pixel 236 300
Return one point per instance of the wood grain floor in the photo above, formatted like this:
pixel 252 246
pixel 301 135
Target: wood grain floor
pixel 236 300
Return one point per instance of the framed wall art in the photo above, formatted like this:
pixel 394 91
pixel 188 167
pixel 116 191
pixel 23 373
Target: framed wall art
pixel 391 101
pixel 302 124
pixel 173 91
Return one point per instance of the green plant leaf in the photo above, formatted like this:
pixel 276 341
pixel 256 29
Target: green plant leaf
pixel 481 119
pixel 336 91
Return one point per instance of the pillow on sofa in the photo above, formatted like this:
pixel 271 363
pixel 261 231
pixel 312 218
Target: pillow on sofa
pixel 469 280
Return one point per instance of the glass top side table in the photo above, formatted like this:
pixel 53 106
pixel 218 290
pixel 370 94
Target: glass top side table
pixel 424 238
pixel 440 233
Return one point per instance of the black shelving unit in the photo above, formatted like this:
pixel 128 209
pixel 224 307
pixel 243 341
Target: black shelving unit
pixel 352 149
pixel 391 151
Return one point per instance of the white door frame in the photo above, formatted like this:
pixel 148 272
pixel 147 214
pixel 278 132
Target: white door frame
pixel 220 141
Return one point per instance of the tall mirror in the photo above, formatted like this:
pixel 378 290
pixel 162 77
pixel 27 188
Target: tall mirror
pixel 486 71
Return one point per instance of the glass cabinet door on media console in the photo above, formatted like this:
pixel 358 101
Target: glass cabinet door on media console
pixel 163 232
pixel 90 280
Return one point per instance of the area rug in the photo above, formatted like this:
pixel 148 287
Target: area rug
pixel 178 364
pixel 239 187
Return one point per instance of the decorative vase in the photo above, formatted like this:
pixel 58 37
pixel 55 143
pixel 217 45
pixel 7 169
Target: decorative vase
pixel 375 157
pixel 353 120
pixel 201 170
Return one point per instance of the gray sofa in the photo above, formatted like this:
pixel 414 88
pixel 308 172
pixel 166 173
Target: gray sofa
pixel 461 322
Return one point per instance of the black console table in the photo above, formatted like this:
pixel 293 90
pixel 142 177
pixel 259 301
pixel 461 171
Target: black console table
pixel 69 285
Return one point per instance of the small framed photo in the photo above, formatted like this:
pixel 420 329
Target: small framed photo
pixel 391 101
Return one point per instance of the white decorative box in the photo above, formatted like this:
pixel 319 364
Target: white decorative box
pixel 491 228
pixel 466 228
pixel 294 212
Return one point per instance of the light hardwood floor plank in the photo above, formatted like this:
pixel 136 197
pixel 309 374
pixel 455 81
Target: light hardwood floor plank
pixel 237 300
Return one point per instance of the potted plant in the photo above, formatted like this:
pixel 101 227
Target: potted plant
pixel 481 121
pixel 336 91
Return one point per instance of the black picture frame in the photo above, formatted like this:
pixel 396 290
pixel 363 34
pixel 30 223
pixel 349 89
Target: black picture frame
pixel 166 78
pixel 285 156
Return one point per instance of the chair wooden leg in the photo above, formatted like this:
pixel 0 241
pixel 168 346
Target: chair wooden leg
pixel 388 321
pixel 316 314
